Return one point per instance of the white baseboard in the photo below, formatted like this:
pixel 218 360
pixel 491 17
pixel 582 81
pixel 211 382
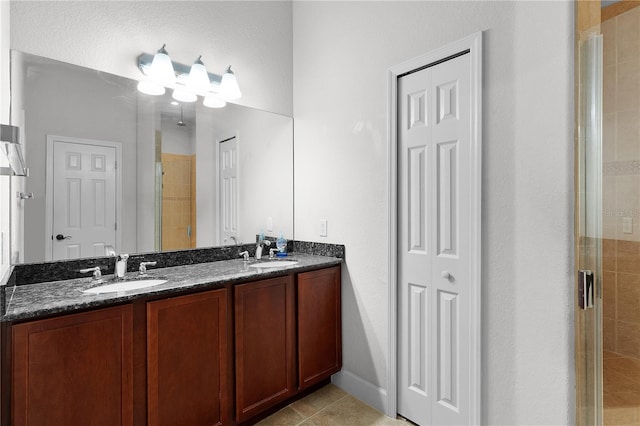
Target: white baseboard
pixel 365 391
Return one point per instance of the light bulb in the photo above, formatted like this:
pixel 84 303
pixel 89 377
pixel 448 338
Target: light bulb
pixel 229 85
pixel 150 88
pixel 213 102
pixel 161 70
pixel 184 95
pixel 198 80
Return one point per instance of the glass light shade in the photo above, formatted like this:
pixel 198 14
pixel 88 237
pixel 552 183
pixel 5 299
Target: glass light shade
pixel 198 80
pixel 213 102
pixel 161 70
pixel 229 85
pixel 184 95
pixel 150 88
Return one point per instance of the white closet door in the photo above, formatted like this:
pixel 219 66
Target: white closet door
pixel 84 200
pixel 434 243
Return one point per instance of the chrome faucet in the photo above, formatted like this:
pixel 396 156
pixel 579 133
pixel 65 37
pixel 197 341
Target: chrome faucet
pixel 259 246
pixel 97 274
pixel 142 269
pixel 245 255
pixel 121 265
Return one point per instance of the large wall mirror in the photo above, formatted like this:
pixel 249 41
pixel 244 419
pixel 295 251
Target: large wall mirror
pixel 112 166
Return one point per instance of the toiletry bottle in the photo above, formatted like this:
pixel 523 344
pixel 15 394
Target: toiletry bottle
pixel 259 245
pixel 281 244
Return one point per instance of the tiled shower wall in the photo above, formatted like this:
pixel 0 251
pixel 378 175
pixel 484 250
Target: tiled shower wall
pixel 621 183
pixel 621 296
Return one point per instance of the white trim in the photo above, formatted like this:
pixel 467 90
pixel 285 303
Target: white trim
pixel 51 139
pixel 473 43
pixel 367 392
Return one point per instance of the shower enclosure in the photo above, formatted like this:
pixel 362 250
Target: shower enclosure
pixel 608 215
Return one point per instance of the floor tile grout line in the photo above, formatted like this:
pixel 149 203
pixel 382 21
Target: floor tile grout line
pixel 323 409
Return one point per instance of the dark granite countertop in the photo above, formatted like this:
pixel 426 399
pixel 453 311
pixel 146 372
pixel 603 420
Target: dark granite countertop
pixel 36 300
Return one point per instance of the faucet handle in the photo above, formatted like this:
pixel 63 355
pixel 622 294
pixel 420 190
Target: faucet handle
pixel 97 273
pixel 245 255
pixel 142 269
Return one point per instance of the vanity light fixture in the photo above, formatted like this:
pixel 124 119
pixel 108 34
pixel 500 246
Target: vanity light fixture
pixel 214 102
pixel 229 85
pixel 161 70
pixel 188 81
pixel 160 74
pixel 198 80
pixel 182 95
pixel 10 145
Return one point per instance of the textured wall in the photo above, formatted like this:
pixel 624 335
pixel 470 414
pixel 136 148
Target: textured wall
pixel 342 51
pixel 4 118
pixel 254 37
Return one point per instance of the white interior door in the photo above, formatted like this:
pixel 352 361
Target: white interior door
pixel 434 219
pixel 228 169
pixel 83 199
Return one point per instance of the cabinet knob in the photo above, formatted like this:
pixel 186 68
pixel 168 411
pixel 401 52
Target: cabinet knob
pixel 446 275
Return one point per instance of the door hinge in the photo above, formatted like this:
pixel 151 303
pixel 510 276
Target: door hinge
pixel 116 226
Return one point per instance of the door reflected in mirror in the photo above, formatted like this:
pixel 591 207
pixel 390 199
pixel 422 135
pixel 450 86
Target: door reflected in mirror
pixel 112 166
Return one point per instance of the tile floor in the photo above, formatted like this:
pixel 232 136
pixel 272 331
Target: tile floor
pixel 621 390
pixel 330 406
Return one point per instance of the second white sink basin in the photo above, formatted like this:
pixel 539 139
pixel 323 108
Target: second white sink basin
pixel 124 286
pixel 274 264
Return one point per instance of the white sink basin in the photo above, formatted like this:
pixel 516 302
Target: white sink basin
pixel 274 264
pixel 124 286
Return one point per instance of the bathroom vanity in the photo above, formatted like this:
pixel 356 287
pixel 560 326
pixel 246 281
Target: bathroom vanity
pixel 219 343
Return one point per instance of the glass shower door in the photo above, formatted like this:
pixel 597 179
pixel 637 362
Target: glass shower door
pixel 588 316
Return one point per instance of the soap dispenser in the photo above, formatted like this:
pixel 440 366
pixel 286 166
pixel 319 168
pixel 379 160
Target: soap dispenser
pixel 281 244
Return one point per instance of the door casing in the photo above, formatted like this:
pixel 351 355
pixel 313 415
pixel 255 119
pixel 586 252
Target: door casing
pixel 473 44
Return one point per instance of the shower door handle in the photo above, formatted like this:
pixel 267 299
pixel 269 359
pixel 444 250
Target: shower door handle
pixel 585 288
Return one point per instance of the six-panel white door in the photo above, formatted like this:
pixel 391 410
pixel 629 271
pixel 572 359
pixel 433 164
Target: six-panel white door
pixel 433 245
pixel 228 169
pixel 83 199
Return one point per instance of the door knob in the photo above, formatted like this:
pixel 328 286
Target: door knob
pixel 446 274
pixel 61 237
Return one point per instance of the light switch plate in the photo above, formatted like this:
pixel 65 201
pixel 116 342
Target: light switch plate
pixel 627 225
pixel 323 227
pixel 269 224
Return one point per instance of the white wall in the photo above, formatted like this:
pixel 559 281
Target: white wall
pixel 342 51
pixel 254 37
pixel 4 119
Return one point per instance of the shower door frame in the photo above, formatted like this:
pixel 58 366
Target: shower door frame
pixel 588 213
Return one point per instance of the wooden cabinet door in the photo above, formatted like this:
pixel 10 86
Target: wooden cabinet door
pixel 319 326
pixel 74 370
pixel 186 360
pixel 264 343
